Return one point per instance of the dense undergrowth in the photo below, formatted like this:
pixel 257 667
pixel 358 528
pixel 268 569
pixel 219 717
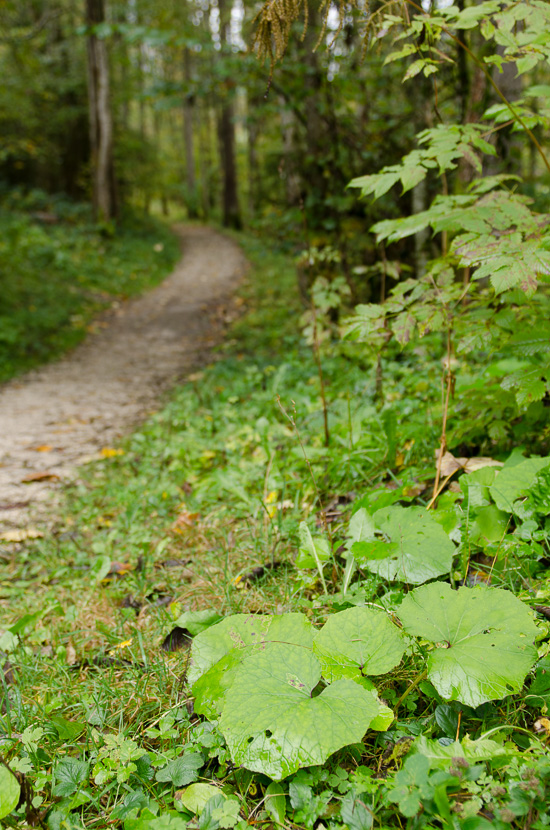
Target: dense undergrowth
pixel 229 502
pixel 59 269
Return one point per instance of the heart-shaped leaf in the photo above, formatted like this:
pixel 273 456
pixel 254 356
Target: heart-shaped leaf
pixel 246 630
pixel 515 479
pixel 218 652
pixel 356 643
pixel 273 720
pixel 9 791
pixel 415 548
pixel 484 639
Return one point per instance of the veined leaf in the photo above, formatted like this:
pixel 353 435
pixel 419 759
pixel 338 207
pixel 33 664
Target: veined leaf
pixel 243 632
pixel 417 547
pixel 483 637
pixel 483 749
pixel 515 479
pixel 356 643
pixel 273 723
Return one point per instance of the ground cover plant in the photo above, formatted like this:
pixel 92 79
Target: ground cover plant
pixel 219 633
pixel 59 270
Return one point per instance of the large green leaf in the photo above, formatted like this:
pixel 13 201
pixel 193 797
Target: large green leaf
pixel 515 479
pixel 218 652
pixel 9 791
pixel 356 643
pixel 484 639
pixel 417 547
pixel 245 630
pixel 274 724
pixel 442 756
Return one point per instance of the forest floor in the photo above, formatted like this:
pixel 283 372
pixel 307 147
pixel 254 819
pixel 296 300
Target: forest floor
pixel 66 413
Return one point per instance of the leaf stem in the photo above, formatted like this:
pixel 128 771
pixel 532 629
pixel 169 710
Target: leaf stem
pixel 418 679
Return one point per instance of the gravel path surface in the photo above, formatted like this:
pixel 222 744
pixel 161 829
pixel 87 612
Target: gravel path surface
pixel 56 417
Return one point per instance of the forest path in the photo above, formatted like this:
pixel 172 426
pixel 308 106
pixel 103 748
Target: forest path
pixel 58 416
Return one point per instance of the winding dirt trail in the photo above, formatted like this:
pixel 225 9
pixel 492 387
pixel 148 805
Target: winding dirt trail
pixel 54 418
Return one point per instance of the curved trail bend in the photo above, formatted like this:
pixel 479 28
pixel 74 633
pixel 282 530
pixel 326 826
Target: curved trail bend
pixel 55 417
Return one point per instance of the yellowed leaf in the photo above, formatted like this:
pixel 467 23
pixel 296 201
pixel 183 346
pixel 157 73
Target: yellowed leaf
pixel 119 647
pixel 110 452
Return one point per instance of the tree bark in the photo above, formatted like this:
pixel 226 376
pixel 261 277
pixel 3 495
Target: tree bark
pixel 226 134
pixel 101 122
pixel 188 103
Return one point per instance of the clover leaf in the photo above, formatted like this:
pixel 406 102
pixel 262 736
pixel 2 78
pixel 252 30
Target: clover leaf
pixel 415 548
pixel 274 721
pixel 484 639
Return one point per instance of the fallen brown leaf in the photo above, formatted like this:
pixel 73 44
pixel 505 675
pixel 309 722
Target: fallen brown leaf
pixel 185 520
pixel 45 475
pixel 450 464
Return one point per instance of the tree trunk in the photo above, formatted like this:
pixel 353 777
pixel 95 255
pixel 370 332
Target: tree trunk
pixel 188 103
pixel 101 122
pixel 226 134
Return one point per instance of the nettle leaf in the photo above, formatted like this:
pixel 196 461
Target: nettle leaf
pixel 528 386
pixel 484 640
pixel 415 548
pixel 182 771
pixel 356 643
pixel 470 18
pixel 274 723
pixel 515 479
pixel 70 773
pixel 218 652
pixel 535 341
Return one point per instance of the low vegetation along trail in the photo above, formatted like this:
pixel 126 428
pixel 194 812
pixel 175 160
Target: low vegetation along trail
pixel 58 416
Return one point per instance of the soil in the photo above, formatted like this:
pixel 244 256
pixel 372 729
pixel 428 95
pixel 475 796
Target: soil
pixel 63 414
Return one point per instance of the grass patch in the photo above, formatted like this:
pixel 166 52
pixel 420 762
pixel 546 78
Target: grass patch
pixel 57 277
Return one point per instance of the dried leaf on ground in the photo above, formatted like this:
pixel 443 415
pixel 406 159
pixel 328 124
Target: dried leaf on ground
pixel 177 639
pixel 255 574
pixel 44 475
pixel 185 520
pixel 450 464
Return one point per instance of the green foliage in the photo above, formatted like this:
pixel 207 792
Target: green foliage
pixel 9 791
pixel 40 318
pixel 484 640
pixel 414 548
pixel 357 643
